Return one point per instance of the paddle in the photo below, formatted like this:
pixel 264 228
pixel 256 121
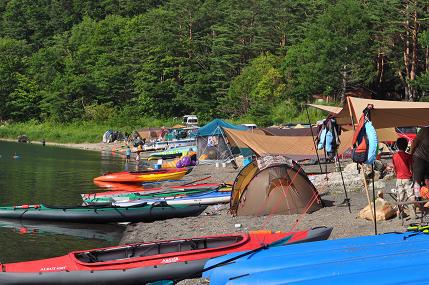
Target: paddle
pixel 198 180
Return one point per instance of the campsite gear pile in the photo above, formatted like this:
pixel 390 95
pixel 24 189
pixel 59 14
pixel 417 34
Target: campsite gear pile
pixel 111 136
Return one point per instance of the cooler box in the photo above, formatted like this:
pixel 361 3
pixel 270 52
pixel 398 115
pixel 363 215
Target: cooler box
pixel 247 160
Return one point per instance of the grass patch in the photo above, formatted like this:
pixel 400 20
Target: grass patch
pixel 76 132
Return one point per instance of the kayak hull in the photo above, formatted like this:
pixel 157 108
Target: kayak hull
pixel 331 262
pixel 143 191
pixel 144 176
pixel 144 262
pixel 197 197
pixel 201 200
pixel 139 275
pixel 144 213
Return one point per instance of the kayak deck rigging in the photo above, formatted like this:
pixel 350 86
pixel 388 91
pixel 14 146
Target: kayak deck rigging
pixel 145 250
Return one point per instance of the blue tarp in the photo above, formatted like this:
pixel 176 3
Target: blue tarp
pixel 214 128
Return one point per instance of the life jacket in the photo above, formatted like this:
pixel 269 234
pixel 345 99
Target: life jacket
pixel 328 137
pixel 365 141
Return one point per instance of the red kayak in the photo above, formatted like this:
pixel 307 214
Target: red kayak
pixel 122 189
pixel 145 262
pixel 144 176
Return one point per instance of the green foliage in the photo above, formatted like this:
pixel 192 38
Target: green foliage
pixel 336 47
pixel 13 54
pixel 116 61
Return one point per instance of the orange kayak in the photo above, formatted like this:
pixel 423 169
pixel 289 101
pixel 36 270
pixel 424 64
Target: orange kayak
pixel 144 176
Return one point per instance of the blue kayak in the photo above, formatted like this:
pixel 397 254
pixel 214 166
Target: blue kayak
pixel 360 265
pixel 320 246
pixel 323 260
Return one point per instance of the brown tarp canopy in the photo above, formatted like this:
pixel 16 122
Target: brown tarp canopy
pixel 295 147
pixel 276 189
pixel 298 132
pixel 329 109
pixel 386 113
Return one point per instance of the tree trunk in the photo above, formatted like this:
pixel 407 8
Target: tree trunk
pixel 414 96
pixel 380 66
pixel 406 55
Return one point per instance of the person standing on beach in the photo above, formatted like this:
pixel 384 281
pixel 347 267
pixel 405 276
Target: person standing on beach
pixel 127 154
pixel 402 166
pixel 420 153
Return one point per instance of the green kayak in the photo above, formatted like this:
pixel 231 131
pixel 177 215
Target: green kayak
pixel 101 214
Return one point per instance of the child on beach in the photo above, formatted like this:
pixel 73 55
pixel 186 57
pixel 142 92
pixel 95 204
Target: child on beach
pixel 402 162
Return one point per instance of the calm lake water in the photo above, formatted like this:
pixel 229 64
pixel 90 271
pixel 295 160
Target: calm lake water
pixel 54 176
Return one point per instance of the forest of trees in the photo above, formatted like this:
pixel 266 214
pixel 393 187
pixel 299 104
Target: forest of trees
pixel 71 60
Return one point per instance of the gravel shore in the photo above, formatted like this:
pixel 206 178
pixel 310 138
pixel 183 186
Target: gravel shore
pixel 217 220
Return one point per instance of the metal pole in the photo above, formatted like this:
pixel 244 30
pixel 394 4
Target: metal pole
pixel 373 199
pixel 346 200
pixel 314 141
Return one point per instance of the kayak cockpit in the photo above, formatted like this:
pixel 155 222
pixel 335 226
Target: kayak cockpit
pixel 160 248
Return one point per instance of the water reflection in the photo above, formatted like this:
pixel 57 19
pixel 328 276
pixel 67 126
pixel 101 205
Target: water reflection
pixel 54 176
pixel 106 232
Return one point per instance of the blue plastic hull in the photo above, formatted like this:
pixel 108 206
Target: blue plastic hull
pixel 327 262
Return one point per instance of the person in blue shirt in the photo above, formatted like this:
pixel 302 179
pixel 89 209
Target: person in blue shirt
pixel 128 154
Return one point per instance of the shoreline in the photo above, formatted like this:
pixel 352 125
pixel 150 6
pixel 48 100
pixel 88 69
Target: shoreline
pixel 83 146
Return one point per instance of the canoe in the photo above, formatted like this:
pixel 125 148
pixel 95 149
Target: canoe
pixel 144 262
pixel 144 176
pixel 100 214
pixel 331 262
pixel 205 198
pixel 145 191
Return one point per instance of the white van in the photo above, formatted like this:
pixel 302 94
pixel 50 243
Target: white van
pixel 190 120
pixel 250 126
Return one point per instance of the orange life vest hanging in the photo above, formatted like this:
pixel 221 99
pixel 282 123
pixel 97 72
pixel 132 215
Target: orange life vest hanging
pixel 360 140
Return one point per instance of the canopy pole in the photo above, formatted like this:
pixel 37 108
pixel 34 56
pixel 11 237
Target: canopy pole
pixel 235 166
pixel 373 199
pixel 366 190
pixel 314 141
pixel 346 200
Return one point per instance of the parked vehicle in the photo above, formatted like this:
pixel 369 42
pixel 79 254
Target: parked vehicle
pixel 190 120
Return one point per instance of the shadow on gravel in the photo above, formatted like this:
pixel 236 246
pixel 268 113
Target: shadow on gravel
pixel 328 203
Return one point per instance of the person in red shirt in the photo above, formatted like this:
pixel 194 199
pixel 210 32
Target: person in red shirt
pixel 402 162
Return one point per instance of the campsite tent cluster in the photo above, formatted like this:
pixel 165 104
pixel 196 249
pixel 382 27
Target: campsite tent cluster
pixel 270 185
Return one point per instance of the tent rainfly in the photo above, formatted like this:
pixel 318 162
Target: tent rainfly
pixel 211 142
pixel 273 185
pixel 148 133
